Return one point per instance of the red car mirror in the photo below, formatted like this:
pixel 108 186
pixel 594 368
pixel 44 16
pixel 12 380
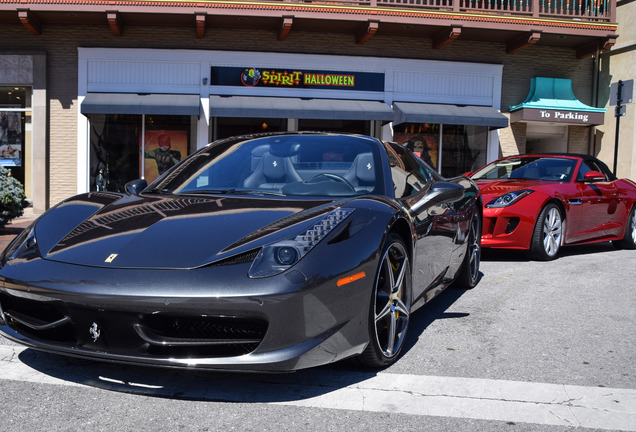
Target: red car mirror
pixel 593 176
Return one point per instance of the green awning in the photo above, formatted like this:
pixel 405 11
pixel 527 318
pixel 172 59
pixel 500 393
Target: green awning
pixel 552 100
pixel 553 93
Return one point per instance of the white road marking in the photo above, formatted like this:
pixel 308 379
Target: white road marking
pixel 483 399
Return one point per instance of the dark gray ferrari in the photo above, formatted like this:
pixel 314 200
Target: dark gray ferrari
pixel 262 252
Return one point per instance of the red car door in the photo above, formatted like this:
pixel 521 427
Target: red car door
pixel 600 208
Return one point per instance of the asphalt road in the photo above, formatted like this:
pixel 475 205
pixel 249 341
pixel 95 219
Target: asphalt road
pixel 536 346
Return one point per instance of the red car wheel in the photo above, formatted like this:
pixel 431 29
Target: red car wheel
pixel 548 234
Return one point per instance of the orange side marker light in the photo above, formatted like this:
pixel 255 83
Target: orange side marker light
pixel 352 278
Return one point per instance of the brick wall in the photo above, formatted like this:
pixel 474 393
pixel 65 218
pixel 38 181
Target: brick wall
pixel 578 139
pixel 62 90
pixel 512 140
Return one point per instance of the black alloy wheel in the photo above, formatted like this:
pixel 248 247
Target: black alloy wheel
pixel 390 306
pixel 468 274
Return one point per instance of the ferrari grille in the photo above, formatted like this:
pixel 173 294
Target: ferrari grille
pixel 45 320
pixel 201 336
pixel 150 335
pixel 39 311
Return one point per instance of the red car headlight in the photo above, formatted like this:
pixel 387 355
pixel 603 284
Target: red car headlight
pixel 508 199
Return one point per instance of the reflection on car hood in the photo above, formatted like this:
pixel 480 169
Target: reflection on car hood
pixel 491 189
pixel 166 231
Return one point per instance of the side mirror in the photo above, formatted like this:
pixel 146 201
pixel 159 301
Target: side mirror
pixel 446 192
pixel 593 176
pixel 136 186
pixel 441 192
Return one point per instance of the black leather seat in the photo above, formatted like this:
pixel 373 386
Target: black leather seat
pixel 361 175
pixel 272 172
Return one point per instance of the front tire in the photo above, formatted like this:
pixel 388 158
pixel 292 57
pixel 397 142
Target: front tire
pixel 629 240
pixel 390 308
pixel 548 234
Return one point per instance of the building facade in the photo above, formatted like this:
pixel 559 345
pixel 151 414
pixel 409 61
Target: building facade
pixel 619 64
pixel 100 93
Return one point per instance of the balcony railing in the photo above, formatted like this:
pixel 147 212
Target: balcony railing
pixel 579 10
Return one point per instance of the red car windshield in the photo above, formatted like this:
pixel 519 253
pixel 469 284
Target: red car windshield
pixel 529 168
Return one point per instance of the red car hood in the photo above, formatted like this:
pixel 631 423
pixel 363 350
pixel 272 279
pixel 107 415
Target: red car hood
pixel 491 189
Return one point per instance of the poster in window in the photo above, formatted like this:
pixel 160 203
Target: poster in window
pixel 421 139
pixel 162 150
pixel 10 138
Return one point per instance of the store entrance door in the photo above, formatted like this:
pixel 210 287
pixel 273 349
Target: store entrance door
pixel 126 147
pixel 15 136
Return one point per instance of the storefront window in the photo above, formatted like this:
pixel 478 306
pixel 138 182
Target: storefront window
pixel 420 138
pixel 345 126
pixel 232 126
pixel 118 140
pixel 15 114
pixel 451 149
pixel 463 149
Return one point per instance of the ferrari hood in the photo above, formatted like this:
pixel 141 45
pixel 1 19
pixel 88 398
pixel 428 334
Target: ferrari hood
pixel 166 232
pixel 491 189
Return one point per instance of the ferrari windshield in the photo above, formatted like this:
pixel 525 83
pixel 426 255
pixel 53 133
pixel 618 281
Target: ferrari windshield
pixel 529 168
pixel 285 164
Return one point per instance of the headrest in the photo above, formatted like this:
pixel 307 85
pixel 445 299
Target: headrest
pixel 260 150
pixel 365 170
pixel 274 167
pixel 257 154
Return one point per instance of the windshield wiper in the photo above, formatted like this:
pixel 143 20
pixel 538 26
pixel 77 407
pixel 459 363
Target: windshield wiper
pixel 232 191
pixel 209 191
pixel 158 191
pixel 261 192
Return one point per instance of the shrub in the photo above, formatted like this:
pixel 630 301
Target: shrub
pixel 12 198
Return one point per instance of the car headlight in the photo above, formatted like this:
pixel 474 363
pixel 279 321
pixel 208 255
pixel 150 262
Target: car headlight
pixel 24 245
pixel 508 199
pixel 277 257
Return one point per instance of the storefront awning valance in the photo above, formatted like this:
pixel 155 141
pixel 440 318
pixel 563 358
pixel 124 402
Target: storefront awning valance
pixel 281 107
pixel 131 103
pixel 552 100
pixel 410 112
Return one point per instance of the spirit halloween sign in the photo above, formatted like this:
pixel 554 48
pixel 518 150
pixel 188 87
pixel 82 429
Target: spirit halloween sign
pixel 292 78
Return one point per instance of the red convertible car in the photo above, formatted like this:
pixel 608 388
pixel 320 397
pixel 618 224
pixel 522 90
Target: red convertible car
pixel 540 202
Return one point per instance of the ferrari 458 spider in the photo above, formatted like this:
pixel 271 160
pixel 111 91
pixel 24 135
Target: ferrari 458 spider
pixel 263 252
pixel 542 202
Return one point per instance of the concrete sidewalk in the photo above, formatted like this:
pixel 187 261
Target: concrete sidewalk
pixel 14 227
